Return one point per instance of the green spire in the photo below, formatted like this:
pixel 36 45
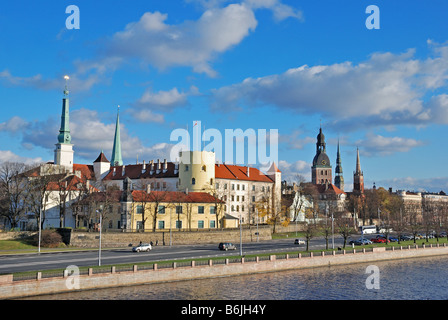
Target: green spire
pixel 116 151
pixel 64 132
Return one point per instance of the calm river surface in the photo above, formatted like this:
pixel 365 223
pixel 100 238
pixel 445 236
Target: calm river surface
pixel 420 279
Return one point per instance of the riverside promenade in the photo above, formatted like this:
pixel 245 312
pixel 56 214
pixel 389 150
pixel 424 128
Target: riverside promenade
pixel 10 288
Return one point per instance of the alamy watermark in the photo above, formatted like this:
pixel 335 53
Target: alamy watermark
pixel 373 280
pixel 261 145
pixel 72 278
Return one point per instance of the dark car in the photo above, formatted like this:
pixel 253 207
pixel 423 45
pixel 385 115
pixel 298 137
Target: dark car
pixel 226 246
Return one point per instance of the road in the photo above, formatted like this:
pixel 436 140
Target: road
pixel 60 260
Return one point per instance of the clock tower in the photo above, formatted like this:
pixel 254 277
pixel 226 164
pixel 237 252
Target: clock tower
pixel 63 154
pixel 321 172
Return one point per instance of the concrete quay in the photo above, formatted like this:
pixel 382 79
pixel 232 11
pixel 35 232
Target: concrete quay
pixel 10 289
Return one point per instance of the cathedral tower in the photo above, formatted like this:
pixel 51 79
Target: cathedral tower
pixel 321 171
pixel 63 154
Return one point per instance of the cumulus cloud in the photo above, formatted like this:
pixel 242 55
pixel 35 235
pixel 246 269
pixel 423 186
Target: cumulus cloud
pixel 9 156
pixel 374 144
pixel 385 89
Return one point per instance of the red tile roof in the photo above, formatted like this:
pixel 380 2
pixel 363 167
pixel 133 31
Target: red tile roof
pixel 225 171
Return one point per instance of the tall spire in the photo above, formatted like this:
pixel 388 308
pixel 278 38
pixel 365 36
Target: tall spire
pixel 63 154
pixel 339 179
pixel 64 132
pixel 358 163
pixel 358 177
pixel 116 159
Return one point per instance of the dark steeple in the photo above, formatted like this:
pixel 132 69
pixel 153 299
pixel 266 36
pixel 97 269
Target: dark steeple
pixel 339 179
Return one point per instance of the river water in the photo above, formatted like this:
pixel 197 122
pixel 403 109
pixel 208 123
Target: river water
pixel 419 279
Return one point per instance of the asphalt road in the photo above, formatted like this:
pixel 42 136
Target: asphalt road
pixel 46 261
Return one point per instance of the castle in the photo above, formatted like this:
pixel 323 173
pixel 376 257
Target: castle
pixel 239 188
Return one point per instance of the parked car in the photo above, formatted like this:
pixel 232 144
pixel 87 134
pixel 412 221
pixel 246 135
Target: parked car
pixel 405 237
pixel 146 247
pixel 360 242
pixel 226 246
pixel 299 241
pixel 393 239
pixel 379 240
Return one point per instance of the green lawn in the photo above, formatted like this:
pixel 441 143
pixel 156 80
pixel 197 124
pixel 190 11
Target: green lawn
pixel 15 245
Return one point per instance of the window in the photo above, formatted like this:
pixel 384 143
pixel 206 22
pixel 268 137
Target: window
pixel 161 224
pixel 178 209
pixel 225 186
pixel 237 208
pixel 187 168
pixel 139 225
pixel 242 198
pixel 237 198
pixel 253 187
pixel 139 209
pixel 237 187
pixel 212 210
pixel 161 209
pixel 200 209
pixel 217 185
pixel 262 188
pixel 211 181
pixel 233 197
pixel 212 224
pixel 242 208
pixel 233 186
pixel 193 181
pixel 253 198
pixel 178 224
pixel 201 224
pixel 243 187
pixel 204 168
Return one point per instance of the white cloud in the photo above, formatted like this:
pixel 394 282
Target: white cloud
pixel 191 43
pixel 375 144
pixel 385 89
pixel 9 156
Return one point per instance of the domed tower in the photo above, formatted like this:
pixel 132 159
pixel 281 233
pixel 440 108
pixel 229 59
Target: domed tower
pixel 321 171
pixel 196 171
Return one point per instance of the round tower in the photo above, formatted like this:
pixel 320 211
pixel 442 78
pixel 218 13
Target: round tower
pixel 196 171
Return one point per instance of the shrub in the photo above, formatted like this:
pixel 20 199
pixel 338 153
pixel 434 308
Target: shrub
pixel 49 239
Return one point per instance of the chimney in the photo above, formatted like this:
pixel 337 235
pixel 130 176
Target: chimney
pixel 152 166
pixel 248 171
pixel 115 171
pixel 165 166
pixel 144 167
pixel 158 166
pixel 148 188
pixel 186 191
pixel 123 171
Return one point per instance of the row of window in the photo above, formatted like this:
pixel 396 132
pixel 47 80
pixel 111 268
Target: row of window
pixel 242 187
pixel 161 224
pixel 179 209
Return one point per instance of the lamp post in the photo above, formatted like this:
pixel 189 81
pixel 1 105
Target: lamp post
pixel 100 211
pixel 241 237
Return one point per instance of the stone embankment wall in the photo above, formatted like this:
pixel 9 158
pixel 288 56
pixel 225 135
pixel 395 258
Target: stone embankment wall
pixel 16 289
pixel 124 239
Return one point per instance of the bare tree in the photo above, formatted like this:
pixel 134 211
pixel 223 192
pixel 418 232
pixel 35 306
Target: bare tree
pixel 13 192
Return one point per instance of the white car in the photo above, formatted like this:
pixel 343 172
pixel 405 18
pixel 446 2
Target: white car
pixel 299 241
pixel 142 247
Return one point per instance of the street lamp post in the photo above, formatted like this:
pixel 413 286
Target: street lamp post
pixel 241 237
pixel 100 211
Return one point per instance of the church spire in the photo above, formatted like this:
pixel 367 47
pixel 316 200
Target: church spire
pixel 358 177
pixel 64 132
pixel 63 154
pixel 339 179
pixel 116 151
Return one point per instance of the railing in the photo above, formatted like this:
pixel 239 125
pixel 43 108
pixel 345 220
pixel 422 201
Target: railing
pixel 212 262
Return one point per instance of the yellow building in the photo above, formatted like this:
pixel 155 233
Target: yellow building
pixel 165 210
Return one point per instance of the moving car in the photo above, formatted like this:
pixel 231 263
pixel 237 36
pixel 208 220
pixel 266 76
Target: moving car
pixel 299 241
pixel 226 246
pixel 142 247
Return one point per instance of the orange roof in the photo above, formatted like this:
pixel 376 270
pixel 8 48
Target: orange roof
pixel 87 172
pixel 225 171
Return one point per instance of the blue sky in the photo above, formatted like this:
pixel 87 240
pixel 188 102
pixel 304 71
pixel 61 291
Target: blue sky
pixel 259 64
